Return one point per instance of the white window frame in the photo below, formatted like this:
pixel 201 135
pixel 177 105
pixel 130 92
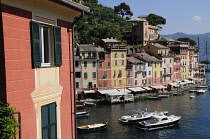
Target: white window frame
pixel 49 46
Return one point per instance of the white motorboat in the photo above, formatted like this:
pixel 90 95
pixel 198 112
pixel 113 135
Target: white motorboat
pixel 192 97
pixel 140 115
pixel 163 96
pixel 159 122
pixel 201 91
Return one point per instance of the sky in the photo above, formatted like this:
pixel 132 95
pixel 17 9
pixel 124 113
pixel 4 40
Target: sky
pixel 187 16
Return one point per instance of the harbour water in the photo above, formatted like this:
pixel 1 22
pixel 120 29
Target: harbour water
pixel 195 122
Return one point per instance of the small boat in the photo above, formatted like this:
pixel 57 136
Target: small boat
pixel 201 91
pixel 140 115
pixel 154 98
pixel 159 122
pixel 92 127
pixel 80 106
pixel 178 94
pixel 201 86
pixel 89 103
pixel 192 91
pixel 163 96
pixel 192 97
pixel 82 114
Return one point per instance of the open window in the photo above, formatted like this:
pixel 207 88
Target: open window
pixel 46 45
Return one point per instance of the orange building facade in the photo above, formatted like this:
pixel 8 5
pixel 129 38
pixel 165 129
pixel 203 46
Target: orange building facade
pixel 37 70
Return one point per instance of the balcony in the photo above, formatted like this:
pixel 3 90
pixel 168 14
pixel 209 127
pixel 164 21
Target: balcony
pixel 129 66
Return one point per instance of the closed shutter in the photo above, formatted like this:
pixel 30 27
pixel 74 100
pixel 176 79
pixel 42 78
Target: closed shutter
pixel 49 126
pixel 35 41
pixel 57 44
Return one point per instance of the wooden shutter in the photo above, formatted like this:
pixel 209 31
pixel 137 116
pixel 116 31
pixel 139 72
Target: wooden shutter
pixel 35 41
pixel 49 126
pixel 57 44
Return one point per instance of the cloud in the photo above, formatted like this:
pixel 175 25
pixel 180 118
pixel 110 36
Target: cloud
pixel 196 18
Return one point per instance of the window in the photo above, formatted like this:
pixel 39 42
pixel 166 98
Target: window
pixel 115 62
pixel 160 64
pixel 170 60
pixel 94 64
pixel 85 75
pixel 170 70
pixel 129 81
pixel 76 63
pixel 161 73
pixel 115 55
pixel 122 55
pixel 149 72
pixel 100 64
pixel 105 74
pixel 120 73
pixel 89 55
pixel 85 63
pixel 155 74
pixel 164 70
pixel 94 74
pixel 104 84
pixel 114 82
pixel 122 62
pixel 155 81
pixel 78 74
pixel 155 65
pixel 90 84
pixel 164 60
pixel 109 64
pixel 120 82
pixel 136 82
pixel 77 84
pixel 45 53
pixel 49 121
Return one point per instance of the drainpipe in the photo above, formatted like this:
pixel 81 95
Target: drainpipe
pixel 74 22
pixel 19 121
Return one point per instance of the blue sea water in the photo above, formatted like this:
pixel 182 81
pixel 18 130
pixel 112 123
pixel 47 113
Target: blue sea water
pixel 194 124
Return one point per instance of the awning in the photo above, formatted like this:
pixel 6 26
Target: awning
pixel 158 87
pixel 88 91
pixel 124 90
pixel 147 88
pixel 112 92
pixel 174 84
pixel 136 89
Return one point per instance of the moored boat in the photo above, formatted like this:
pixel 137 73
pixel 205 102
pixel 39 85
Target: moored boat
pixel 192 91
pixel 96 126
pixel 159 122
pixel 140 115
pixel 82 113
pixel 154 98
pixel 163 96
pixel 201 91
pixel 178 94
pixel 192 97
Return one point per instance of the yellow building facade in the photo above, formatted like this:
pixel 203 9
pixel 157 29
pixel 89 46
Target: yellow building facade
pixel 118 72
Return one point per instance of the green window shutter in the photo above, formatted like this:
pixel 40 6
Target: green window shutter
pixel 35 41
pixel 49 122
pixel 57 45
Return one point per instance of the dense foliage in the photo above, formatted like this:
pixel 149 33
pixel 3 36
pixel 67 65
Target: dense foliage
pixel 103 23
pixel 156 20
pixel 8 122
pixel 192 42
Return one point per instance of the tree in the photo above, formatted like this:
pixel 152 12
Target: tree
pixel 155 20
pixel 8 122
pixel 192 42
pixel 123 10
pixel 103 23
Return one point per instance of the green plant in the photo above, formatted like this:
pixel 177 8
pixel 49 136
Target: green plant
pixel 8 123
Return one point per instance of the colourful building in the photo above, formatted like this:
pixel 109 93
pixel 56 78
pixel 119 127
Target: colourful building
pixel 37 67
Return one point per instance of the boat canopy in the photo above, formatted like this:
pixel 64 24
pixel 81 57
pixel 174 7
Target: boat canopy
pixel 136 89
pixel 124 90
